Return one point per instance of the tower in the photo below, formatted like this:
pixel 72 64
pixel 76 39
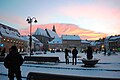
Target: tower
pixel 54 29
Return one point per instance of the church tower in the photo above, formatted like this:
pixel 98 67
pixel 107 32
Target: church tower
pixel 54 29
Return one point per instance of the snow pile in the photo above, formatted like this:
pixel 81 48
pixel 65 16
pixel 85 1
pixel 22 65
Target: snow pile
pixel 108 67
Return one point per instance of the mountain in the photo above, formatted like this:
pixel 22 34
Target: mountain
pixel 70 29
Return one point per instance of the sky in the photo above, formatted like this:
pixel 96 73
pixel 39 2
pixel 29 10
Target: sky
pixel 101 16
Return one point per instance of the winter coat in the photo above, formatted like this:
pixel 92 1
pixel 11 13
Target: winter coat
pixel 66 53
pixel 75 52
pixel 89 53
pixel 13 61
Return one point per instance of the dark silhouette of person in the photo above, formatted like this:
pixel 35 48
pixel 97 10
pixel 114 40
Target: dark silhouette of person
pixel 3 52
pixel 66 56
pixel 0 51
pixel 96 51
pixel 89 53
pixel 74 53
pixel 104 51
pixel 12 62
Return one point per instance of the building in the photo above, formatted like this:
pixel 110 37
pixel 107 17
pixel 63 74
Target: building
pixel 106 42
pixel 10 37
pixel 55 44
pixel 66 41
pixel 84 45
pixel 71 41
pixel 114 43
pixel 45 36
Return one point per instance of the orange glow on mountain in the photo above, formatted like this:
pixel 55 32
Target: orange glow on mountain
pixel 68 29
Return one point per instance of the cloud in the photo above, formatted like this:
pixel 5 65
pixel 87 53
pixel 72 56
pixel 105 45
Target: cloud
pixel 69 29
pixel 14 21
pixel 94 17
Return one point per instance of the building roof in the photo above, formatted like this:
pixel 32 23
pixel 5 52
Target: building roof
pixel 46 32
pixel 56 41
pixel 40 31
pixel 115 37
pixel 10 32
pixel 70 37
pixel 35 40
pixel 52 34
pixel 84 41
pixel 94 43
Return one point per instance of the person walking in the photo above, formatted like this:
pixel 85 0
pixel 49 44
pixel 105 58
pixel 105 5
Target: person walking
pixel 74 53
pixel 66 56
pixel 12 62
pixel 89 53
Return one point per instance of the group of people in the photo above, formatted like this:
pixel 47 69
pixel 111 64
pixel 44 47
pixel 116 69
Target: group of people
pixel 74 55
pixel 14 60
pixel 74 59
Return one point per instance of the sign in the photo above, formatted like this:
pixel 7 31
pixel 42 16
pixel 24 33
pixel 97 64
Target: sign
pixel 1 45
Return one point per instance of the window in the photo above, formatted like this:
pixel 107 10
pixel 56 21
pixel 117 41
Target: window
pixel 4 40
pixel 8 40
pixel 11 41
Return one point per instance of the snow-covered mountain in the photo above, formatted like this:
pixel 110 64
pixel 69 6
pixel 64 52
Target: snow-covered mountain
pixel 70 29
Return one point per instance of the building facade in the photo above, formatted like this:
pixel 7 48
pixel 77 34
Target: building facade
pixel 10 37
pixel 66 41
pixel 45 36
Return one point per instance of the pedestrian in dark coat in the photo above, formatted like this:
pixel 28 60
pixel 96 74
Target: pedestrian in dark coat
pixel 89 53
pixel 3 52
pixel 12 62
pixel 74 53
pixel 66 56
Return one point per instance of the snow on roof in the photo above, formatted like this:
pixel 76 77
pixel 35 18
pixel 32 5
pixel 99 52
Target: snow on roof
pixel 36 40
pixel 93 43
pixel 25 38
pixel 108 37
pixel 40 31
pixel 56 41
pixel 84 41
pixel 115 37
pixel 52 33
pixel 7 27
pixel 33 39
pixel 70 37
pixel 10 32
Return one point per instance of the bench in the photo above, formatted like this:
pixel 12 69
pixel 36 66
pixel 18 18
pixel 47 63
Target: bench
pixel 41 59
pixel 48 76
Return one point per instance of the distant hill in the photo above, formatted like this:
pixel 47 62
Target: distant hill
pixel 71 29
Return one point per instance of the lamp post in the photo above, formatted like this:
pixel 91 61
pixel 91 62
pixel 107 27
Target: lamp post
pixel 30 20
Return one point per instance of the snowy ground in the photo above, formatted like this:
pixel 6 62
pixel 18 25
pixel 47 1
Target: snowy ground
pixel 108 67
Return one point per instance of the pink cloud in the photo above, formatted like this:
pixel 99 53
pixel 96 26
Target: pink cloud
pixel 69 29
pixel 92 11
pixel 90 17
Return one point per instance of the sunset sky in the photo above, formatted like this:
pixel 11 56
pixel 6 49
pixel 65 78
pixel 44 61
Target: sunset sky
pixel 99 16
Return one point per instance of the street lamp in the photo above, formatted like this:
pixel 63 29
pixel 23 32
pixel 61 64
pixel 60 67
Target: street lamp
pixel 30 20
